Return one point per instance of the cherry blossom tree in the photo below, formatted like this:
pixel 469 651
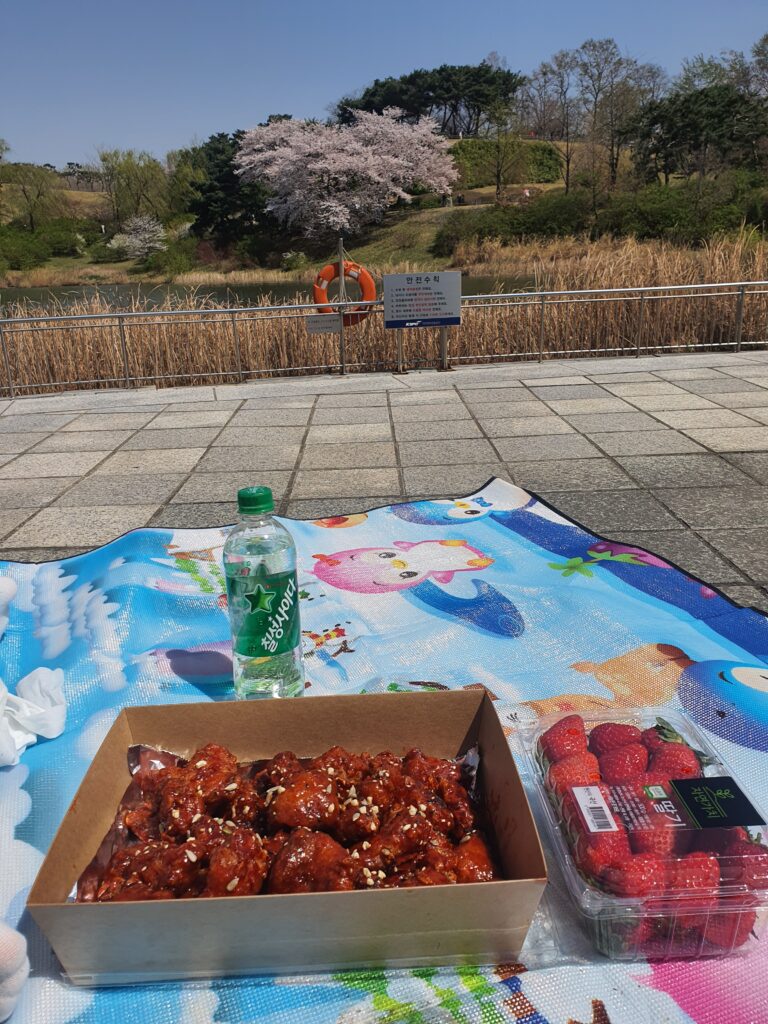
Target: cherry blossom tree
pixel 142 236
pixel 335 179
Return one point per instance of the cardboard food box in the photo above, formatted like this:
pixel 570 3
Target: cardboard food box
pixel 120 943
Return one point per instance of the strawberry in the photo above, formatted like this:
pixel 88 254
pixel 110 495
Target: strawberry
pixel 564 738
pixel 715 840
pixel 696 873
pixel 730 925
pixel 660 734
pixel 662 838
pixel 640 874
pixel 574 770
pixel 624 764
pixel 595 851
pixel 609 735
pixel 745 862
pixel 676 761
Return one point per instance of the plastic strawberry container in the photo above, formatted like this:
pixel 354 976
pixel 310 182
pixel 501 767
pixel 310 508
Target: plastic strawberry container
pixel 660 846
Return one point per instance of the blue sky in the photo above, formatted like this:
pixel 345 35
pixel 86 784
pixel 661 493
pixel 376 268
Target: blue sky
pixel 75 77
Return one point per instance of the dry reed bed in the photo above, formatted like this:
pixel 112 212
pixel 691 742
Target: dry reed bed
pixel 209 344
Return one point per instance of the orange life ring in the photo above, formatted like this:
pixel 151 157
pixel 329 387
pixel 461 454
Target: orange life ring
pixel 356 273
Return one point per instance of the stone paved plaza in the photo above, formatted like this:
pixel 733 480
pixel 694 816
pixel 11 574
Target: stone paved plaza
pixel 667 452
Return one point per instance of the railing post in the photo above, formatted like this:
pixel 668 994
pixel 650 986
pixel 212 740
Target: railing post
pixel 342 346
pixel 639 344
pixel 541 328
pixel 739 316
pixel 444 363
pixel 6 362
pixel 124 347
pixel 236 334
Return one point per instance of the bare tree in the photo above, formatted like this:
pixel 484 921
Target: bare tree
pixel 36 190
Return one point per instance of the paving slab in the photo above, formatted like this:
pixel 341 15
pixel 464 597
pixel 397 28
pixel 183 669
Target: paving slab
pixel 574 406
pixel 155 489
pixel 187 437
pixel 73 527
pixel 420 414
pixel 508 410
pixel 199 516
pixel 191 419
pixel 109 421
pixel 599 423
pixel 80 441
pixel 451 481
pixel 362 415
pixel 10 518
pixel 266 456
pixel 436 429
pixel 216 487
pixel 582 391
pixel 286 402
pixel 691 373
pixel 29 424
pixel 33 493
pixel 366 399
pixel 240 437
pixel 526 426
pixel 754 464
pixel 712 508
pixel 570 475
pixel 693 470
pixel 343 433
pixel 745 548
pixel 621 378
pixel 450 452
pixel 527 449
pixel 13 444
pixel 366 455
pixel 645 442
pixel 158 460
pixel 270 418
pixel 745 400
pixel 331 483
pixel 614 513
pixel 658 387
pixel 34 467
pixel 684 419
pixel 652 403
pixel 423 397
pixel 17 554
pixel 324 508
pixel 761 415
pixel 739 439
pixel 714 386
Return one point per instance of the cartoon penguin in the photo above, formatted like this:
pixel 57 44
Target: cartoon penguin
pixel 728 698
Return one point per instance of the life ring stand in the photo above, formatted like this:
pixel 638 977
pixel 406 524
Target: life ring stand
pixel 353 271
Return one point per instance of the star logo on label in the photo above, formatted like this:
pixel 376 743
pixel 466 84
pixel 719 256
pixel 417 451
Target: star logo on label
pixel 260 599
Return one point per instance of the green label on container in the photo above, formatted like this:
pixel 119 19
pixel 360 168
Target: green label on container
pixel 265 612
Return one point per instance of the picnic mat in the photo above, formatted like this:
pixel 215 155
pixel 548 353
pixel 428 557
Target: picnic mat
pixel 501 592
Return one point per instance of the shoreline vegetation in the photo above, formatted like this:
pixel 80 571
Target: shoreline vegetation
pixel 88 353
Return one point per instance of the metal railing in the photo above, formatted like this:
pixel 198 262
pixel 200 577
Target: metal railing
pixel 134 348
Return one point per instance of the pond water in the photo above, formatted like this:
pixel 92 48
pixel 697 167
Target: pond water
pixel 124 296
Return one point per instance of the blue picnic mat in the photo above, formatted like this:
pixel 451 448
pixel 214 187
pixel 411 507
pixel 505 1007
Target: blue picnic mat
pixel 501 592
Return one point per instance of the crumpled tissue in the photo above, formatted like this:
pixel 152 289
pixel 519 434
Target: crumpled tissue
pixel 38 708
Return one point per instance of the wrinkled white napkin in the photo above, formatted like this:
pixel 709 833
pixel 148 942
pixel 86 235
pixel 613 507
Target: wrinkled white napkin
pixel 38 708
pixel 14 968
pixel 7 594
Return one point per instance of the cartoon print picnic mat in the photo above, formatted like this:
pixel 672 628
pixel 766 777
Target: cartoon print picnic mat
pixel 495 590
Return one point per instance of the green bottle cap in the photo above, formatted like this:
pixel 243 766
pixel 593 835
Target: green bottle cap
pixel 252 500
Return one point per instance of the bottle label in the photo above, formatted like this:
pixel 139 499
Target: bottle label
pixel 265 612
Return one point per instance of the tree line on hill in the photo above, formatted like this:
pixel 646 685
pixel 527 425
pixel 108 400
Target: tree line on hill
pixel 631 150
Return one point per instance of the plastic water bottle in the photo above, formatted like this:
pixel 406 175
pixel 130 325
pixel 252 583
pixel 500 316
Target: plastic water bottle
pixel 263 598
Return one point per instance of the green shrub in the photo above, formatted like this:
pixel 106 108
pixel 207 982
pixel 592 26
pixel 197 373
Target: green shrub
pixel 178 258
pixel 293 260
pixel 21 250
pixel 62 239
pixel 101 253
pixel 544 162
pixel 475 161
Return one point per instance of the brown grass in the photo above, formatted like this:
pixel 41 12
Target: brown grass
pixel 230 347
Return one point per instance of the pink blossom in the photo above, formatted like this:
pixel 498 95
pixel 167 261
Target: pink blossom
pixel 334 179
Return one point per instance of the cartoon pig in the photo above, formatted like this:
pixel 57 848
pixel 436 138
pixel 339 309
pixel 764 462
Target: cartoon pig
pixel 404 565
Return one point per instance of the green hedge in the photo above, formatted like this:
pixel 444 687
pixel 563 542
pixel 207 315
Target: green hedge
pixel 20 250
pixel 474 159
